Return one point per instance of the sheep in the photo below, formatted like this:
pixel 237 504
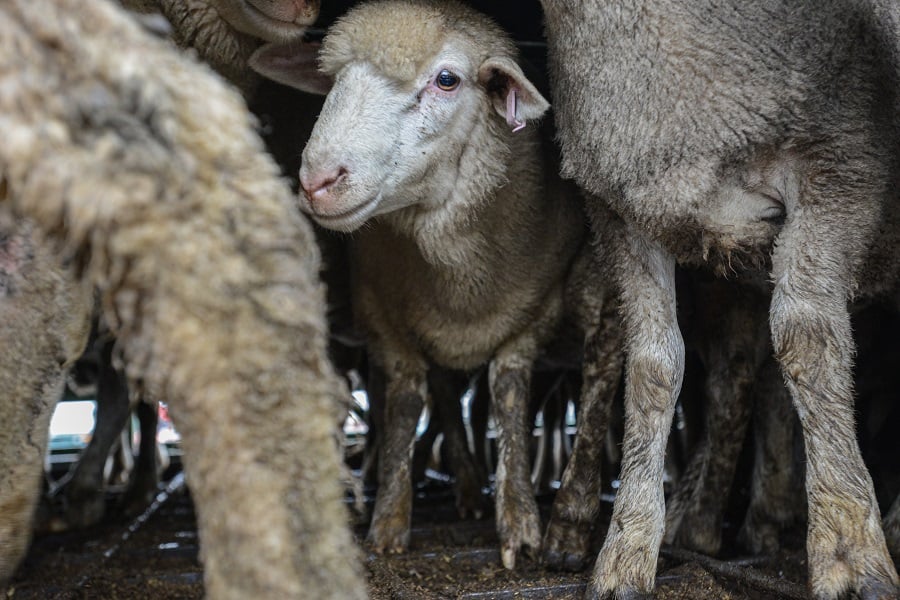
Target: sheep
pixel 445 419
pixel 892 528
pixel 82 491
pixel 464 239
pixel 739 137
pixel 44 325
pixel 776 491
pixel 224 33
pixel 723 328
pixel 148 171
pixel 725 324
pixel 577 504
pixel 694 510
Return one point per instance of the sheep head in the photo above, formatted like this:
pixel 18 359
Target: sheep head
pixel 424 98
pixel 270 20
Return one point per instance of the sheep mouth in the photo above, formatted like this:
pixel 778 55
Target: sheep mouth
pixel 350 219
pixel 286 29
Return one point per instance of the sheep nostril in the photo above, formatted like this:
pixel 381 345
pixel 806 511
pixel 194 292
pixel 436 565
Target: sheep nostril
pixel 318 186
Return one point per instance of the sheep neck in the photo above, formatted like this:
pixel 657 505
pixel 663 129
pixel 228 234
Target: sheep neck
pixel 492 206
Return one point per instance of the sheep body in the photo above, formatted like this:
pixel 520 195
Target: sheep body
pixel 789 166
pixel 149 172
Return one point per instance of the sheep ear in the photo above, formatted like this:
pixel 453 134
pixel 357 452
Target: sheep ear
pixel 512 95
pixel 294 64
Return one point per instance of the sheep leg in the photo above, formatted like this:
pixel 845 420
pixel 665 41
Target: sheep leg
pixel 423 448
pixel 775 496
pixel 145 481
pixel 85 492
pixel 813 342
pixel 544 400
pixel 375 389
pixel 733 341
pixel 27 425
pixel 892 529
pixel 405 398
pixel 577 504
pixel 518 523
pixel 654 368
pixel 445 392
pixel 481 406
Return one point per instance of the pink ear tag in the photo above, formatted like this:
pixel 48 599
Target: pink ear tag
pixel 511 120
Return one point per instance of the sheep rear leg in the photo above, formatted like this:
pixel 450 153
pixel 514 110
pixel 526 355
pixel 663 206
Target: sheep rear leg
pixel 405 398
pixel 145 481
pixel 626 565
pixel 892 529
pixel 468 481
pixel 518 524
pixel 775 497
pixel 85 492
pixel 813 342
pixel 577 504
pixel 733 341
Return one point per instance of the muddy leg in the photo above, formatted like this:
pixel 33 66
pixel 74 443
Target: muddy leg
pixel 375 390
pixel 424 446
pixel 480 411
pixel 776 497
pixel 85 492
pixel 517 516
pixel 468 483
pixel 626 565
pixel 545 398
pixel 577 503
pixel 145 480
pixel 732 341
pixel 892 529
pixel 813 342
pixel 405 398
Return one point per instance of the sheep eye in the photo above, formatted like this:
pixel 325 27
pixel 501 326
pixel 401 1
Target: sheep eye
pixel 447 80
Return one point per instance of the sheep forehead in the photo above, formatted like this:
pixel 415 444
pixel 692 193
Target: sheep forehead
pixel 401 38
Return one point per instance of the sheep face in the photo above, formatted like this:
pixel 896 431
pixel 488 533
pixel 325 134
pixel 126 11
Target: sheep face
pixel 418 111
pixel 273 21
pixel 380 146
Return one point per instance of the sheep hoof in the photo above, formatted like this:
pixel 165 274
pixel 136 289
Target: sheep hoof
pixel 137 500
pixel 388 540
pixel 509 558
pixel 699 534
pixel 759 537
pixel 556 560
pixel 83 510
pixel 878 590
pixel 519 532
pixel 858 567
pixel 465 512
pixel 566 545
pixel 469 498
pixel 627 594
